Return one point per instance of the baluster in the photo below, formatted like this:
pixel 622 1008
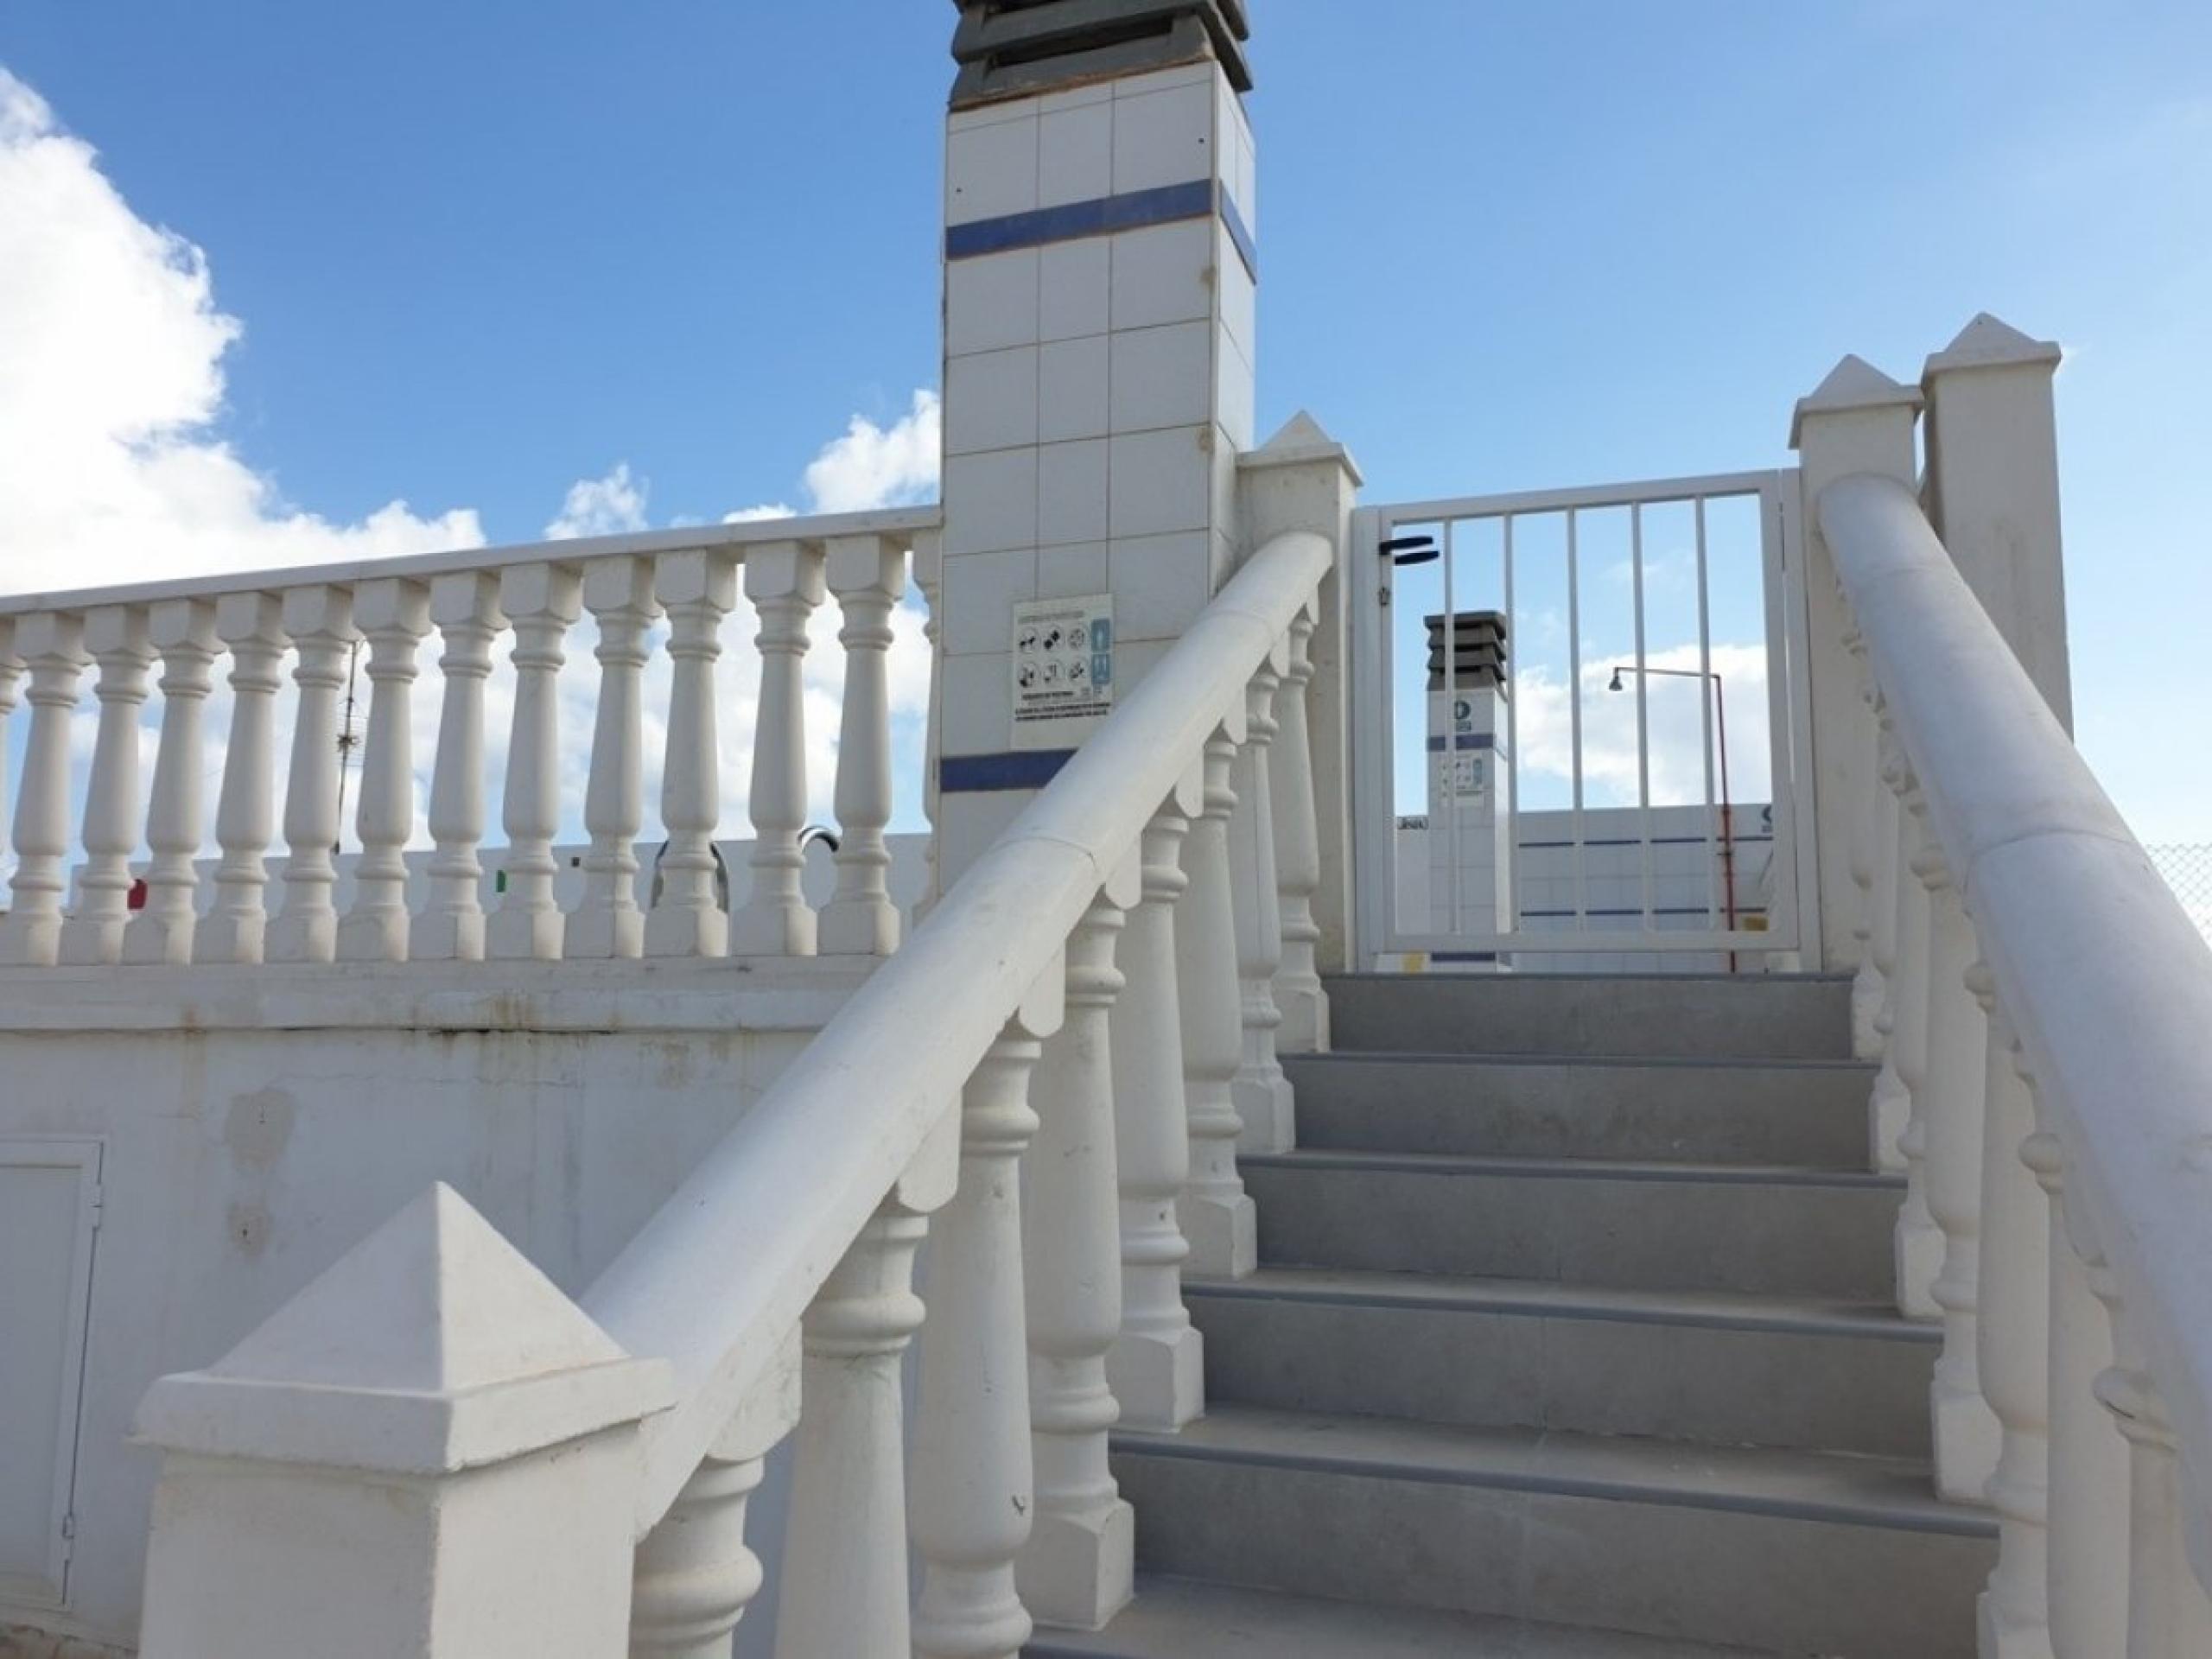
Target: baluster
pixel 465 605
pixel 2087 1506
pixel 52 643
pixel 783 581
pixel 1919 1242
pixel 115 637
pixel 1866 984
pixel 320 619
pixel 973 1486
pixel 1958 1041
pixel 1889 1108
pixel 183 632
pixel 393 615
pixel 11 669
pixel 1077 1568
pixel 2014 1333
pixel 1156 1364
pixel 867 574
pixel 1260 1090
pixel 1304 1005
pixel 619 593
pixel 695 1575
pixel 251 627
pixel 2168 1616
pixel 697 589
pixel 844 1588
pixel 929 572
pixel 542 601
pixel 1217 1215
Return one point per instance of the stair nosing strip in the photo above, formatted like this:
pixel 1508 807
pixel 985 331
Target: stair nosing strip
pixel 1439 1163
pixel 1499 1057
pixel 1965 1523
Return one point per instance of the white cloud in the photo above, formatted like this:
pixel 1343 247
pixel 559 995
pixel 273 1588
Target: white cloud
pixel 613 505
pixel 1674 719
pixel 113 349
pixel 874 466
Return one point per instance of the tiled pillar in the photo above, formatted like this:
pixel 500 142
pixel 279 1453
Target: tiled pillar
pixel 1099 285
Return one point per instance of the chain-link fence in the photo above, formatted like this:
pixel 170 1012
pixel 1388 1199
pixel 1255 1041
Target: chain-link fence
pixel 2188 870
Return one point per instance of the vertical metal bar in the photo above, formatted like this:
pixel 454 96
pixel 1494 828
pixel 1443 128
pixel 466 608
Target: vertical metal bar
pixel 1642 705
pixel 1789 717
pixel 1705 712
pixel 1574 719
pixel 1451 790
pixel 1510 922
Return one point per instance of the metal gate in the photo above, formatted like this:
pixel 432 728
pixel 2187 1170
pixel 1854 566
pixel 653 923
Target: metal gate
pixel 1560 805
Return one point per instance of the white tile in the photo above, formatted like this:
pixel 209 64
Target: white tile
pixel 1161 376
pixel 990 171
pixel 1232 390
pixel 1163 139
pixel 1071 492
pixel 1133 659
pixel 980 590
pixel 1074 154
pixel 968 823
pixel 990 400
pixel 1159 80
pixel 990 502
pixel 1078 568
pixel 989 115
pixel 1071 390
pixel 1239 296
pixel 990 301
pixel 1077 281
pixel 1075 98
pixel 1163 273
pixel 1160 584
pixel 1161 480
pixel 1222 477
pixel 976 714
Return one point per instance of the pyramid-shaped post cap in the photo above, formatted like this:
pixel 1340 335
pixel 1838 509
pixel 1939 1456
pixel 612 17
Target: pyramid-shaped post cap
pixel 432 1346
pixel 1854 384
pixel 1300 440
pixel 1990 342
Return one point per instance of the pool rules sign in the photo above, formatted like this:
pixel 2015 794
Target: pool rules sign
pixel 1062 668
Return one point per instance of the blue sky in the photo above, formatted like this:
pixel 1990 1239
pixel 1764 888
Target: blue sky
pixel 480 253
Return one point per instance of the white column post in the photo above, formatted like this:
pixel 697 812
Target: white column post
pixel 1156 1366
pixel 430 1451
pixel 929 577
pixel 183 632
pixel 1858 420
pixel 1889 1107
pixel 465 604
pixel 393 615
pixel 867 573
pixel 974 1488
pixel 1867 986
pixel 695 1574
pixel 2014 1333
pixel 2089 1498
pixel 1260 1091
pixel 52 643
pixel 319 620
pixel 1304 1005
pixel 844 1586
pixel 1078 1568
pixel 11 669
pixel 697 589
pixel 251 627
pixel 2168 1614
pixel 1217 1215
pixel 542 601
pixel 1919 1242
pixel 115 636
pixel 619 593
pixel 784 580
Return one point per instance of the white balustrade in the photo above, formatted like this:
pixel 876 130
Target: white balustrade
pixel 393 615
pixel 52 645
pixel 784 580
pixel 251 627
pixel 697 589
pixel 1889 1106
pixel 183 632
pixel 867 574
pixel 1299 995
pixel 12 670
pixel 1867 828
pixel 1919 1242
pixel 1217 1215
pixel 929 578
pixel 319 620
pixel 542 601
pixel 1260 1091
pixel 115 637
pixel 619 593
pixel 465 605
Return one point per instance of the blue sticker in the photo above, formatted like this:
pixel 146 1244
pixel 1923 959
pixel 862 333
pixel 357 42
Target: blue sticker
pixel 1102 670
pixel 1102 634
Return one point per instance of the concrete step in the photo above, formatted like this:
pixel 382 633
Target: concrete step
pixel 1642 1226
pixel 1704 1016
pixel 1811 1113
pixel 1713 1369
pixel 1780 1552
pixel 1180 1618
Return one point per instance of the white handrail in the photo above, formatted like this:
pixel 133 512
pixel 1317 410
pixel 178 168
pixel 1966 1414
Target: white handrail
pixel 726 1266
pixel 2105 980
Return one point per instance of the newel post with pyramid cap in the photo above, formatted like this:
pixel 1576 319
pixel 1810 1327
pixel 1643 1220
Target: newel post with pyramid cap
pixel 429 1450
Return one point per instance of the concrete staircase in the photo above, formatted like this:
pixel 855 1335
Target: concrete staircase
pixel 1572 1337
